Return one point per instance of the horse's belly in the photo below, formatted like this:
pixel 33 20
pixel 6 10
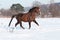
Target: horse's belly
pixel 25 20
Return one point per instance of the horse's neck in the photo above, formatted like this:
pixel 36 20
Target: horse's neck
pixel 32 14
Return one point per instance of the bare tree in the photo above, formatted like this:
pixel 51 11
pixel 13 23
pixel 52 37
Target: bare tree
pixel 36 3
pixel 53 8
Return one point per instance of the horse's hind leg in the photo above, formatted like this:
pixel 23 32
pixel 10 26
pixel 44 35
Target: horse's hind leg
pixel 21 25
pixel 29 25
pixel 16 24
pixel 35 22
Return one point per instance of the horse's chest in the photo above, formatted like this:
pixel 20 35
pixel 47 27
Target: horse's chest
pixel 32 18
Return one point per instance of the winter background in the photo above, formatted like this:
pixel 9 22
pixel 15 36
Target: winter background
pixel 48 29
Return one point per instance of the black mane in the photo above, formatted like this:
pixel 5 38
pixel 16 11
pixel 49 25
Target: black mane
pixel 32 9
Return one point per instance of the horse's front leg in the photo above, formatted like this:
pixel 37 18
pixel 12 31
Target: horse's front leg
pixel 35 22
pixel 29 25
pixel 21 25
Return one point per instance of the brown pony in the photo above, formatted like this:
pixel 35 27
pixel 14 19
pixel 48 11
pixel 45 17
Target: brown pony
pixel 27 17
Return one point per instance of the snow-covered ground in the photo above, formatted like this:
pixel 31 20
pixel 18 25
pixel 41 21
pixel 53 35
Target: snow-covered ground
pixel 49 29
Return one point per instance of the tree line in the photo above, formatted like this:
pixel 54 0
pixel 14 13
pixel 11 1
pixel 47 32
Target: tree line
pixel 47 10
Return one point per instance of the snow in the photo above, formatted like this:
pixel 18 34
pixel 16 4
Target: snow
pixel 48 29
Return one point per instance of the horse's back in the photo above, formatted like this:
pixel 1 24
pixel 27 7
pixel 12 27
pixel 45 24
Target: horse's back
pixel 22 17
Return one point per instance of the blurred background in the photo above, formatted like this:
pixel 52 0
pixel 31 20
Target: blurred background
pixel 49 8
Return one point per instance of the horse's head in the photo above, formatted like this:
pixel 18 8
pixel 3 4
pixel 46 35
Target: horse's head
pixel 35 10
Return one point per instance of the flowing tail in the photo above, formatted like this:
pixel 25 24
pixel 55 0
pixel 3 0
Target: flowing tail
pixel 11 19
